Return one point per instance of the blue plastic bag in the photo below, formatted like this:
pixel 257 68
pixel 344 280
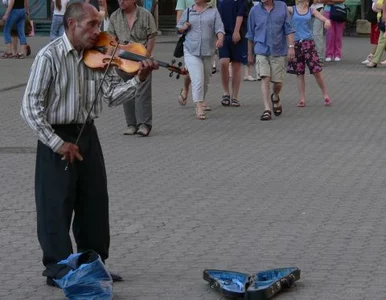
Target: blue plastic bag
pixel 88 279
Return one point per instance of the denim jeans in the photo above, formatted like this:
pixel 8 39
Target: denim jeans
pixel 57 28
pixel 17 16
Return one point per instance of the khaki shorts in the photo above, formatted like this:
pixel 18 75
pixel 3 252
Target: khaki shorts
pixel 270 66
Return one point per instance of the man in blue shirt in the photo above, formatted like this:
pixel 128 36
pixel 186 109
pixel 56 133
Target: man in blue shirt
pixel 269 33
pixel 234 49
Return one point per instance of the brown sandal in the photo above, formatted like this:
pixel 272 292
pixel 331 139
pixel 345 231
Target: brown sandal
pixel 7 55
pixel 181 99
pixel 19 56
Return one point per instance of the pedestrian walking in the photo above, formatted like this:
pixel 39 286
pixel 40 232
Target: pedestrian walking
pixel 199 47
pixel 270 39
pixel 234 14
pixel 305 49
pixel 57 28
pixel 15 14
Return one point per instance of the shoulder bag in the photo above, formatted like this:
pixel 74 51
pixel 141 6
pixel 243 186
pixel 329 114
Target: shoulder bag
pixel 338 13
pixel 179 50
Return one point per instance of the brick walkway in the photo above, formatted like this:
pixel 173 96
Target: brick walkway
pixel 306 189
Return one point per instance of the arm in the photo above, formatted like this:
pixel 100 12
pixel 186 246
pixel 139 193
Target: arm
pixel 151 34
pixel 290 43
pixel 26 6
pixel 8 10
pixel 182 25
pixel 219 29
pixel 251 55
pixel 116 91
pixel 290 10
pixel 319 16
pixel 150 46
pixel 33 108
pixel 180 7
pixel 239 20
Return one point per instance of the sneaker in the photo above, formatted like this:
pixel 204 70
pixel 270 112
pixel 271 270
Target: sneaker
pixel 328 59
pixel 143 130
pixel 383 62
pixel 368 59
pixel 337 59
pixel 131 130
pixel 371 65
pixel 249 78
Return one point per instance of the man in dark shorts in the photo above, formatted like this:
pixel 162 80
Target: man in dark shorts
pixel 235 49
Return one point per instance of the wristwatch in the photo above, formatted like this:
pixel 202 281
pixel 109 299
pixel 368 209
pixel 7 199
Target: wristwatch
pixel 291 46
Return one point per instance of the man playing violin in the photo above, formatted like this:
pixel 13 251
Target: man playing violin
pixel 59 99
pixel 132 23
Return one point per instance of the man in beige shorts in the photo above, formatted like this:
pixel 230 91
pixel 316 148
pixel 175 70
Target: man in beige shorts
pixel 271 38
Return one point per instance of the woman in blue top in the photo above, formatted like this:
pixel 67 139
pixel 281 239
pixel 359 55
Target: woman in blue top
pixel 305 50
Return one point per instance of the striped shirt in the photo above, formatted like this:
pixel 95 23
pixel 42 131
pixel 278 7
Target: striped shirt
pixel 61 90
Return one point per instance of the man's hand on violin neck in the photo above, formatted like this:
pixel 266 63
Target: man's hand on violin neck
pixel 70 152
pixel 147 66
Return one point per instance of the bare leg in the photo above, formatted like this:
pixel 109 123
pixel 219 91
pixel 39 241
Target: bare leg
pixel 302 89
pixel 14 45
pixel 187 82
pixel 224 67
pixel 236 79
pixel 319 79
pixel 265 92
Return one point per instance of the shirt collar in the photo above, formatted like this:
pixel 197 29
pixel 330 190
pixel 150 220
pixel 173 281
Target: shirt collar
pixel 68 47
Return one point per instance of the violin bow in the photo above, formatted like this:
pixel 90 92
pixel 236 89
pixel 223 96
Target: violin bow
pixel 94 101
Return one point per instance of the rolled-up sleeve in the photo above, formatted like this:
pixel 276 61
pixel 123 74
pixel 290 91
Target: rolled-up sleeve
pixel 182 19
pixel 241 8
pixel 218 24
pixel 33 109
pixel 116 91
pixel 251 26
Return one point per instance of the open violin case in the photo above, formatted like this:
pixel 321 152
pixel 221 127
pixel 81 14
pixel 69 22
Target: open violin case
pixel 260 286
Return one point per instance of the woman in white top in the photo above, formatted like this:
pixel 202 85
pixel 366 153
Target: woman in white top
pixel 57 28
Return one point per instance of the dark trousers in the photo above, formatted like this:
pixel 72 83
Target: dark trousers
pixel 80 191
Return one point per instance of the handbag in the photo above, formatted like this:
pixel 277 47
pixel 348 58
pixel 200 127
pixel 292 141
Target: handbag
pixel 338 13
pixel 179 50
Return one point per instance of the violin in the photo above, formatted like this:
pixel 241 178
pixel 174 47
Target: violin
pixel 127 57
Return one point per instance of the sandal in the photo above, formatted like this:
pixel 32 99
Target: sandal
pixel 200 115
pixel 206 107
pixel 277 110
pixel 327 101
pixel 19 56
pixel 226 100
pixel 181 99
pixel 235 103
pixel 301 104
pixel 266 116
pixel 7 55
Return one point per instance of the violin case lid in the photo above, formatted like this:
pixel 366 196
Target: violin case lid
pixel 260 286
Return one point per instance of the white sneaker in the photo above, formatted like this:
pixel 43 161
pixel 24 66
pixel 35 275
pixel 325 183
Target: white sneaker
pixel 328 59
pixel 249 78
pixel 337 59
pixel 368 59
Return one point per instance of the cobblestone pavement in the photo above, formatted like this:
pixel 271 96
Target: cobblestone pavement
pixel 306 189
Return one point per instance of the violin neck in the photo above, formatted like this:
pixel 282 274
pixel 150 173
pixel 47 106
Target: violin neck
pixel 137 57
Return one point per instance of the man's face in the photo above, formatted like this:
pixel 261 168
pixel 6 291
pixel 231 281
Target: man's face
pixel 123 4
pixel 86 31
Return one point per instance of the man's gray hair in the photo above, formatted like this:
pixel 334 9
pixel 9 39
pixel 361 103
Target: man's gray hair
pixel 75 10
